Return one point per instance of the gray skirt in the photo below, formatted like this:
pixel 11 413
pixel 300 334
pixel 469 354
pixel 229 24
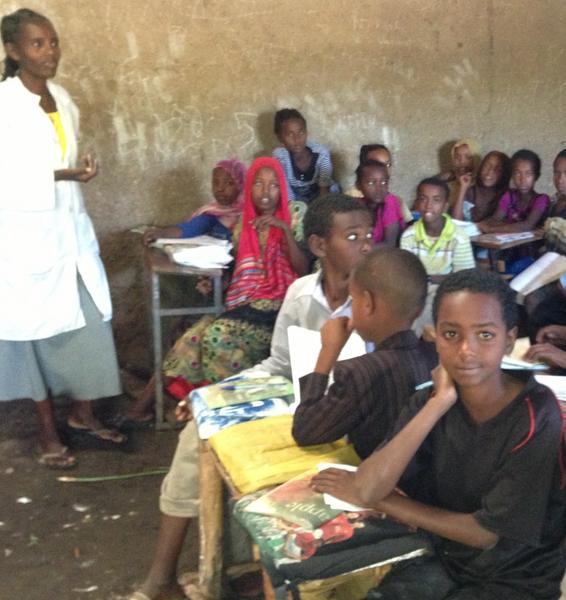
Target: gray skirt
pixel 80 364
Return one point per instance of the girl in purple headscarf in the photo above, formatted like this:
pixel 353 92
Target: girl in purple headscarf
pixel 217 218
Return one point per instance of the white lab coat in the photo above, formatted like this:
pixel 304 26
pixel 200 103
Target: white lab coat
pixel 45 232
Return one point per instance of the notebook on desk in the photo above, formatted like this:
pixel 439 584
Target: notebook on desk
pixel 199 240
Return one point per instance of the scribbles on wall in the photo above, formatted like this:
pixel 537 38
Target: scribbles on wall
pixel 462 79
pixel 132 45
pixel 246 122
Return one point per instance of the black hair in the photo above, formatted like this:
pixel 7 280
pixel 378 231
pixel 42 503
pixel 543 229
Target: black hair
pixel 398 275
pixel 529 156
pixel 368 148
pixel 503 182
pixel 436 182
pixel 479 281
pixel 285 114
pixel 10 27
pixel 319 217
pixel 561 154
pixel 369 163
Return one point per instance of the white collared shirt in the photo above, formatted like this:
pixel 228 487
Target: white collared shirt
pixel 304 305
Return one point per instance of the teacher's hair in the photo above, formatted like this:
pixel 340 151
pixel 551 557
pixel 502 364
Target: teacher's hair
pixel 10 26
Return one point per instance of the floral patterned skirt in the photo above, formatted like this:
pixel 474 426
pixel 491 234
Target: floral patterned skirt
pixel 216 347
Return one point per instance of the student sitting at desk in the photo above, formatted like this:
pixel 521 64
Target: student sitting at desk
pixel 217 218
pixel 388 289
pixel 338 231
pixel 480 459
pixel 464 160
pixel 373 180
pixel 381 154
pixel 478 201
pixel 307 165
pixel 521 208
pixel 547 305
pixel 442 246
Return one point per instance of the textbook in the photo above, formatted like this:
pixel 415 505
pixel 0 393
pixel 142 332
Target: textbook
pixel 245 388
pixel 304 348
pixel 347 542
pixel 548 268
pixel 295 502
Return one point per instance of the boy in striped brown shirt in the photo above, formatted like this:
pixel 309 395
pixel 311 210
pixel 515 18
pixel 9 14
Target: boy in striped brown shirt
pixel 369 391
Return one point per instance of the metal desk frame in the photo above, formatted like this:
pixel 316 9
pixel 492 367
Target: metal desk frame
pixel 159 263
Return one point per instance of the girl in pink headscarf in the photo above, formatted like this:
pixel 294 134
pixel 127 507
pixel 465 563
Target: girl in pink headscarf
pixel 217 218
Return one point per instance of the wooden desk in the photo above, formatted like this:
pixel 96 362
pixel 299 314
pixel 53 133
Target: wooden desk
pixel 159 263
pixel 494 246
pixel 213 476
pixel 210 525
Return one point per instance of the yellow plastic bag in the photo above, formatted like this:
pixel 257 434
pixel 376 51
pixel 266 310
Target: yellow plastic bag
pixel 262 453
pixel 350 586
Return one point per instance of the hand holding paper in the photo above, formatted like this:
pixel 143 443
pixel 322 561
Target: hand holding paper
pixel 336 482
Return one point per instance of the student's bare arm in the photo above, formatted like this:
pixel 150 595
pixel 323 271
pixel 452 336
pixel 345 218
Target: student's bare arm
pixel 333 336
pixel 528 224
pixel 492 223
pixel 154 233
pixel 457 210
pixel 547 353
pixel 459 527
pixel 379 474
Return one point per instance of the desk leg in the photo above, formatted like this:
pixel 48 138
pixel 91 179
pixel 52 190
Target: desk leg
pixel 492 255
pixel 157 349
pixel 210 526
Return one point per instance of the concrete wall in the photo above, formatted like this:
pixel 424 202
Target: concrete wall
pixel 168 87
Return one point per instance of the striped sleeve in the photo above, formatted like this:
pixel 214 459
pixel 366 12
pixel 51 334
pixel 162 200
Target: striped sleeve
pixel 282 155
pixel 463 257
pixel 324 165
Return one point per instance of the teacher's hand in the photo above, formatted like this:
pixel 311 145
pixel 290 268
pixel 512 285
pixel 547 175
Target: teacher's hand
pixel 82 174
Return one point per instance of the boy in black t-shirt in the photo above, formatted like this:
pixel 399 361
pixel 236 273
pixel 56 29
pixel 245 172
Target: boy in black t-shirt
pixel 480 460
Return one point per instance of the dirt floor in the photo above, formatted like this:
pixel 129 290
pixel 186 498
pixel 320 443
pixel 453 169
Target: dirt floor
pixel 80 541
pixel 77 541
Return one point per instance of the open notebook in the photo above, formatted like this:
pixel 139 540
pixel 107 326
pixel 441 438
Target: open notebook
pixel 304 348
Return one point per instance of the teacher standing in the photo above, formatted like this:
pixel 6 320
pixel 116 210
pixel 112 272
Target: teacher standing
pixel 55 333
